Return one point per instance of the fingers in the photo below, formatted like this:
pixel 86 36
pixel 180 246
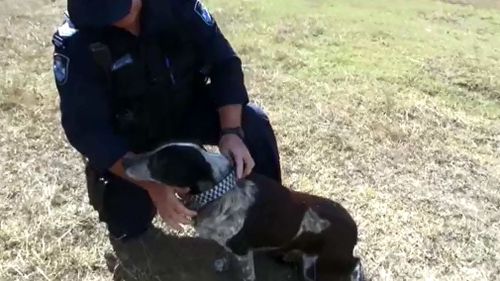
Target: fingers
pixel 180 214
pixel 174 202
pixel 234 148
pixel 181 191
pixel 173 224
pixel 172 211
pixel 249 164
pixel 244 164
pixel 171 220
pixel 175 219
pixel 181 209
pixel 238 159
pixel 178 218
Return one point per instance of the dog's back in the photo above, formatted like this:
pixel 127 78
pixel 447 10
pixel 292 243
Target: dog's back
pixel 332 247
pixel 285 220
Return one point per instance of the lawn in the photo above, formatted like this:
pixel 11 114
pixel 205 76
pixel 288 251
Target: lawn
pixel 390 107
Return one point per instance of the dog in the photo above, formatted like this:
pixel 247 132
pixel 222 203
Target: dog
pixel 255 213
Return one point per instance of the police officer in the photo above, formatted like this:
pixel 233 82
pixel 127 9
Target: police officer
pixel 132 74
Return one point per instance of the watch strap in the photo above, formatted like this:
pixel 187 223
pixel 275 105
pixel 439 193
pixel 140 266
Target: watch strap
pixel 235 131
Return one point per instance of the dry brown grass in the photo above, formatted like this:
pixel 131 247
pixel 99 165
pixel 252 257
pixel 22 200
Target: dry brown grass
pixel 393 111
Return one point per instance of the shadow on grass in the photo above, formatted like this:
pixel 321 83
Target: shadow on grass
pixel 157 256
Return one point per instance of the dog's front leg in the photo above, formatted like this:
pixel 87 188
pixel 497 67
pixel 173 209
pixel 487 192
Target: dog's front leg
pixel 247 266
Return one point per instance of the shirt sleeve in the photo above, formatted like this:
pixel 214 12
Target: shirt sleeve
pixel 226 73
pixel 85 107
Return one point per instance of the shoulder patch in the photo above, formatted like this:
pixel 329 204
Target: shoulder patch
pixel 66 30
pixel 61 68
pixel 203 12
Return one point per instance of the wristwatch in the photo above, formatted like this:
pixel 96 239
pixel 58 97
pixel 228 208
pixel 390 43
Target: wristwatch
pixel 235 131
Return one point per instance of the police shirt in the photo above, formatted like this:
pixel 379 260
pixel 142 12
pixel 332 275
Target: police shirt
pixel 84 97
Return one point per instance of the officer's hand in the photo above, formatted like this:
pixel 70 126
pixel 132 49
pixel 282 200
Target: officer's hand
pixel 169 207
pixel 233 147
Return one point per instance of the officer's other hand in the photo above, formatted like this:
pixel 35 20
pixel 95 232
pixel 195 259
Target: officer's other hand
pixel 169 207
pixel 233 147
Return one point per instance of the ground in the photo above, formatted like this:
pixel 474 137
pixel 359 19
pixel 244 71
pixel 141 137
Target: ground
pixel 390 107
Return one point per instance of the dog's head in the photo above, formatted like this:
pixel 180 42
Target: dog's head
pixel 178 164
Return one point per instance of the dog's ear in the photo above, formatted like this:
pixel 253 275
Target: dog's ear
pixel 205 172
pixel 206 179
pixel 180 165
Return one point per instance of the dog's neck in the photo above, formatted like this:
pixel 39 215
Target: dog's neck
pixel 220 167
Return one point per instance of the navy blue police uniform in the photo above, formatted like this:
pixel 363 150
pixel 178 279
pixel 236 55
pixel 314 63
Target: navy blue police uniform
pixel 120 93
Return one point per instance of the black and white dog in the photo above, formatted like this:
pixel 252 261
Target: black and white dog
pixel 256 213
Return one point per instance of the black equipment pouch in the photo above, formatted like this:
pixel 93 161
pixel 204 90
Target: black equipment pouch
pixel 102 57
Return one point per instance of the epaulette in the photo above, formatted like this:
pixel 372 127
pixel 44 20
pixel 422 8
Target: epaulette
pixel 65 31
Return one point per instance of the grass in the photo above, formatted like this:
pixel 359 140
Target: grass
pixel 390 107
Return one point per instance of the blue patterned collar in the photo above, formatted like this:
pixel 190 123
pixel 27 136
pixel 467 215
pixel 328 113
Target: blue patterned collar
pixel 200 200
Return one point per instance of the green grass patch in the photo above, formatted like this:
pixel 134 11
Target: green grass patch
pixel 397 41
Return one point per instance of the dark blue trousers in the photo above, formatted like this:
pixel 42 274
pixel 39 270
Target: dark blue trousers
pixel 128 210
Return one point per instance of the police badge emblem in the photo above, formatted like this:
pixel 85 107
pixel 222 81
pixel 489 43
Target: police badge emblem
pixel 203 12
pixel 61 64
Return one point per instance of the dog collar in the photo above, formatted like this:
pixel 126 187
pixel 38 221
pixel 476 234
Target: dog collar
pixel 227 184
